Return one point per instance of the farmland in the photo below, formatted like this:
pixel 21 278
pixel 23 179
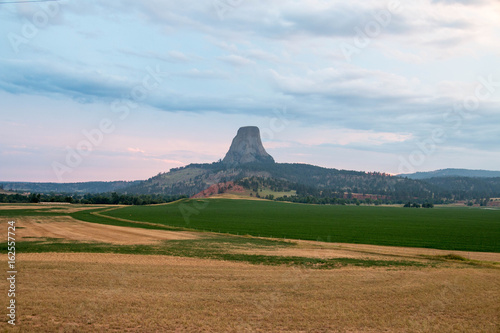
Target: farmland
pixel 440 228
pixel 159 269
pixel 138 293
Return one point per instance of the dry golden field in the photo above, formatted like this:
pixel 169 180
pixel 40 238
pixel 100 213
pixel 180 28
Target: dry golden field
pixel 111 292
pixel 108 292
pixel 65 227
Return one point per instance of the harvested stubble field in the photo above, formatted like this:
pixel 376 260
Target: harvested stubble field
pixel 65 227
pixel 77 276
pixel 79 292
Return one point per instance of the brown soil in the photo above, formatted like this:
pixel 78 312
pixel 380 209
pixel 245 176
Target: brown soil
pixel 328 250
pixel 71 229
pixel 219 188
pixel 334 250
pixel 54 207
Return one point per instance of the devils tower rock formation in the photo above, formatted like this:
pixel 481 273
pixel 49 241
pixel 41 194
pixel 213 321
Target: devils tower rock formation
pixel 247 148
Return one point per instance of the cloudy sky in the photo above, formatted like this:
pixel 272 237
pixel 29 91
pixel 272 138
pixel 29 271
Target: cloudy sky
pixel 122 90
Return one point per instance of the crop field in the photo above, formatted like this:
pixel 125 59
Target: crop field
pixel 156 268
pixel 454 228
pixel 101 292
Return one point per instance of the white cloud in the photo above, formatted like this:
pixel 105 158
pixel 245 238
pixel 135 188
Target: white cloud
pixel 263 55
pixel 236 60
pixel 178 55
pixel 349 82
pixel 205 74
pixel 136 150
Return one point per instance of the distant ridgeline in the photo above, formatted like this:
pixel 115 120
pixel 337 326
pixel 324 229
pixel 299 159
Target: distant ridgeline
pixel 249 165
pixel 453 173
pixel 82 187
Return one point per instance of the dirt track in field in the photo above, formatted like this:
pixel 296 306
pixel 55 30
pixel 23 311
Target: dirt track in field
pixel 314 249
pixel 51 207
pixel 71 229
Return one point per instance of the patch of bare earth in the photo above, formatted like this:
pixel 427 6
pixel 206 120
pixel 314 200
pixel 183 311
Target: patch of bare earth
pixel 234 196
pixel 67 228
pixel 314 249
pixel 78 292
pixel 11 207
pixel 53 207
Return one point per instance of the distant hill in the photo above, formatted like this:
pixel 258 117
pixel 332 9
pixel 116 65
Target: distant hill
pixel 84 187
pixel 304 178
pixel 452 173
pixel 2 191
pixel 248 165
pixel 248 158
pixel 463 188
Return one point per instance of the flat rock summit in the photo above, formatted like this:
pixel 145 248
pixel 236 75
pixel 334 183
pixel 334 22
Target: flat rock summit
pixel 247 148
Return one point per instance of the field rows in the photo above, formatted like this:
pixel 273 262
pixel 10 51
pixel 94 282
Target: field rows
pixel 440 228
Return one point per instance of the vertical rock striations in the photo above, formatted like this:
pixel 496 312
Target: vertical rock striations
pixel 247 148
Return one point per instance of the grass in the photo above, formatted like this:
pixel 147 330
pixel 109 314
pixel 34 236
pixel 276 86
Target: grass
pixel 440 228
pixel 91 292
pixel 88 215
pixel 460 259
pixel 453 257
pixel 276 194
pixel 446 228
pixel 11 213
pixel 210 247
pixel 95 216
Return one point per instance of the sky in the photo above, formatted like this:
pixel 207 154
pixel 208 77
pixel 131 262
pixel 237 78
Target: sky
pixel 122 90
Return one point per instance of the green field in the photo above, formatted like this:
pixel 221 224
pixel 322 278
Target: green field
pixel 468 229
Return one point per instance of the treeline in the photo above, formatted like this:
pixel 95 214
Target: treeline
pixel 352 201
pixel 321 201
pixel 437 190
pixel 17 198
pixel 318 182
pixel 256 183
pixel 416 205
pixel 466 188
pixel 128 199
pixel 309 180
pixel 325 196
pixel 101 198
pixel 83 187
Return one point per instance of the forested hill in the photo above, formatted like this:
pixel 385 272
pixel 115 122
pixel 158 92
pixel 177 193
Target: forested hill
pixel 194 178
pixel 465 188
pixel 453 173
pixel 305 179
pixel 82 187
